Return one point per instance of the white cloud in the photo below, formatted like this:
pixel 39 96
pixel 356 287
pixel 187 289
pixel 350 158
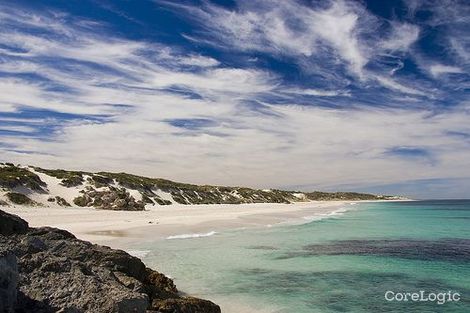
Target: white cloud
pixel 260 150
pixel 315 92
pixel 199 60
pixel 461 48
pixel 439 69
pixel 402 37
pixel 392 84
pixel 219 80
pixel 17 128
pixel 338 26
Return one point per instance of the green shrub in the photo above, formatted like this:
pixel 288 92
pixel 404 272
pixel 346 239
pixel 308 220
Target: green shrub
pixel 72 181
pixel 13 176
pixel 80 201
pixel 69 178
pixel 19 198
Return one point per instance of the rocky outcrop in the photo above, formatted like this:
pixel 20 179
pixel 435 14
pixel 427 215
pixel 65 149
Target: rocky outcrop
pixel 57 272
pixel 12 224
pixel 59 200
pixel 186 304
pixel 111 199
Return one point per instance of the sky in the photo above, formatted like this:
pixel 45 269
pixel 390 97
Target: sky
pixel 365 96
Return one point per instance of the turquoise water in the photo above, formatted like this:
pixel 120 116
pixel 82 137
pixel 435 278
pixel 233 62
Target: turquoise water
pixel 340 264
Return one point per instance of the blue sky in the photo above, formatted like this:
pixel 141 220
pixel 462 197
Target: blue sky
pixel 357 95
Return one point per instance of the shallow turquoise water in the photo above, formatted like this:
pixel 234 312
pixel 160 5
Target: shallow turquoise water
pixel 341 264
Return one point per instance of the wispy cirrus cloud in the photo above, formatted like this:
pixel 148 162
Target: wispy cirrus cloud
pixel 287 28
pixel 316 92
pixel 340 35
pixel 439 69
pixel 451 44
pixel 402 37
pixel 392 84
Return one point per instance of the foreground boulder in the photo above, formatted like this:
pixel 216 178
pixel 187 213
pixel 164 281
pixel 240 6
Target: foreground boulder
pixel 49 270
pixel 8 281
pixel 12 224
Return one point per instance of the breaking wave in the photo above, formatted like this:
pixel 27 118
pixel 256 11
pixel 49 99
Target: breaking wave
pixel 188 236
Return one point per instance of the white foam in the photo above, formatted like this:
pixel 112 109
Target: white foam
pixel 188 236
pixel 316 217
pixel 340 211
pixel 139 253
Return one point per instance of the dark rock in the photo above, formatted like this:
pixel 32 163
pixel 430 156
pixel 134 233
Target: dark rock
pixel 185 305
pixel 8 281
pixel 12 224
pixel 60 273
pixel 34 244
pixel 61 201
pixel 100 181
pixel 111 199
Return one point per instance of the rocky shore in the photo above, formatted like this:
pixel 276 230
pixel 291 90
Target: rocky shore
pixel 47 270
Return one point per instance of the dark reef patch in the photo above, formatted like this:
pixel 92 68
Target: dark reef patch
pixel 449 250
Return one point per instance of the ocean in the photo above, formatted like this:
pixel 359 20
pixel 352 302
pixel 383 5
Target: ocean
pixel 365 259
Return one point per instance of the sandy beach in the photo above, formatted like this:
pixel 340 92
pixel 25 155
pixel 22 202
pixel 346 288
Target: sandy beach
pixel 118 228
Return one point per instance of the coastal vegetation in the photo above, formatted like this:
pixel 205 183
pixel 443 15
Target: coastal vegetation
pixel 19 198
pixel 341 196
pixel 12 176
pixel 69 178
pixel 122 191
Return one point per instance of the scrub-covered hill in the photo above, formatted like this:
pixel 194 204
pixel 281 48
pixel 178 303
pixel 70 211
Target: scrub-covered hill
pixel 28 185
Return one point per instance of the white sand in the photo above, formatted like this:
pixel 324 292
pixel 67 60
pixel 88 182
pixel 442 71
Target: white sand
pixel 115 228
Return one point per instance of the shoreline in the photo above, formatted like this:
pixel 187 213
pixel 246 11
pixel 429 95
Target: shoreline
pixel 119 229
pixel 122 229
